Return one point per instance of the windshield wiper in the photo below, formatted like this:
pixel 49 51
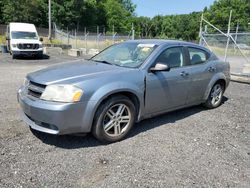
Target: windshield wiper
pixel 105 62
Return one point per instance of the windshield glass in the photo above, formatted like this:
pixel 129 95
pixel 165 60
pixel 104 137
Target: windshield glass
pixel 126 54
pixel 23 35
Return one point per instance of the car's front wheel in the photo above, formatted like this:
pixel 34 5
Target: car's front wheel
pixel 114 118
pixel 215 97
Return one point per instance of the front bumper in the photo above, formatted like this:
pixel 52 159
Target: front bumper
pixel 27 52
pixel 53 117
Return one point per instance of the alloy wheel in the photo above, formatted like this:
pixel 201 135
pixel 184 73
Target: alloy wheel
pixel 216 94
pixel 116 120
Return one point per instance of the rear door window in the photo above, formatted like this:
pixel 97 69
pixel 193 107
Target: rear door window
pixel 197 56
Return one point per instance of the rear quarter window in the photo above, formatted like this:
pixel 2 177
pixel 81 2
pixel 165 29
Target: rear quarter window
pixel 197 56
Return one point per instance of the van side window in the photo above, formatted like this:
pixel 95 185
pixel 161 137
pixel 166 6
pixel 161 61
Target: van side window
pixel 173 57
pixel 197 56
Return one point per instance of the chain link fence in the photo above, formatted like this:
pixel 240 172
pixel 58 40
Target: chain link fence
pixel 238 54
pixel 232 44
pixel 88 39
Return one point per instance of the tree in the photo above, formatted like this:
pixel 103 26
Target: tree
pixel 1 12
pixel 77 14
pixel 33 11
pixel 218 13
pixel 117 15
pixel 143 26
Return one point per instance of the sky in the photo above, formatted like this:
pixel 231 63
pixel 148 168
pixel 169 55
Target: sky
pixel 151 8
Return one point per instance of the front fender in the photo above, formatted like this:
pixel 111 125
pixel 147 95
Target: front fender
pixel 103 92
pixel 215 78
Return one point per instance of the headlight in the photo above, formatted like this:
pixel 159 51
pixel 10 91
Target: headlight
pixel 62 93
pixel 26 82
pixel 40 45
pixel 14 45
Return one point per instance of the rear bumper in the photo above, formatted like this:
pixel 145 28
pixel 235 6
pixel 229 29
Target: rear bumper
pixel 28 53
pixel 54 118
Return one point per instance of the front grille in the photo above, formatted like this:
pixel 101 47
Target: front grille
pixel 35 89
pixel 28 46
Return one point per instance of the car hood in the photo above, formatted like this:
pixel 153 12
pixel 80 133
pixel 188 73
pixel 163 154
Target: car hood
pixel 26 41
pixel 73 72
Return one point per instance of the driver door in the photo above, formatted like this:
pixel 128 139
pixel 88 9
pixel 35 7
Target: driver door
pixel 166 90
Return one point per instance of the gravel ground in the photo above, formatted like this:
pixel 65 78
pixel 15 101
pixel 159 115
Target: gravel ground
pixel 193 147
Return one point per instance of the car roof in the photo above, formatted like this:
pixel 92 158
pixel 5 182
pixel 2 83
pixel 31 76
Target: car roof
pixel 166 42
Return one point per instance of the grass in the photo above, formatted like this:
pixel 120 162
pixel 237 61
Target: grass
pixel 2 39
pixel 89 44
pixel 230 52
pixel 53 41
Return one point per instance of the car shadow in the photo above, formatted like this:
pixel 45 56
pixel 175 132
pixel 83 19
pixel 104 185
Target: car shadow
pixel 44 57
pixel 167 118
pixel 75 142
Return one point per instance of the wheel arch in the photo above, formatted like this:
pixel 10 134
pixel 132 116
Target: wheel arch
pixel 102 94
pixel 217 78
pixel 130 95
pixel 127 93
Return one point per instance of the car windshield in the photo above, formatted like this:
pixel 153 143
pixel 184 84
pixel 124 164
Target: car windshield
pixel 23 35
pixel 126 54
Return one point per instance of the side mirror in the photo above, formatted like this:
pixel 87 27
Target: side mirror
pixel 41 39
pixel 160 67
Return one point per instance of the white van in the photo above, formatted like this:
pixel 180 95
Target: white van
pixel 23 39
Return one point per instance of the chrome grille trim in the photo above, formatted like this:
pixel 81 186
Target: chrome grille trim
pixel 35 90
pixel 27 46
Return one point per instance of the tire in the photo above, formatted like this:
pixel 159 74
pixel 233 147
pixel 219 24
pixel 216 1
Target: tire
pixel 39 56
pixel 215 96
pixel 13 56
pixel 114 119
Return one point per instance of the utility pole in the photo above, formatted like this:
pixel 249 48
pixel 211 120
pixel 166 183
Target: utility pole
pixel 49 37
pixel 236 35
pixel 113 31
pixel 97 37
pixel 85 37
pixel 237 30
pixel 228 35
pixel 133 32
pixel 200 33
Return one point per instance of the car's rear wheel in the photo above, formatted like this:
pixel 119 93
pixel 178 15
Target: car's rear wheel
pixel 114 119
pixel 215 97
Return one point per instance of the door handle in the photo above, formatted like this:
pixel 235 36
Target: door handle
pixel 211 69
pixel 183 74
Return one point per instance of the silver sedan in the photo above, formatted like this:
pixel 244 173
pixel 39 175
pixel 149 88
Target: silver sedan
pixel 124 84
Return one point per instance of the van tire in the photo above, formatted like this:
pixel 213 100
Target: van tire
pixel 39 56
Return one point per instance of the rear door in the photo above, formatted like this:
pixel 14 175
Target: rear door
pixel 200 71
pixel 168 90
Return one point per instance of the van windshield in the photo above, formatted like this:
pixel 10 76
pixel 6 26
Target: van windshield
pixel 23 35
